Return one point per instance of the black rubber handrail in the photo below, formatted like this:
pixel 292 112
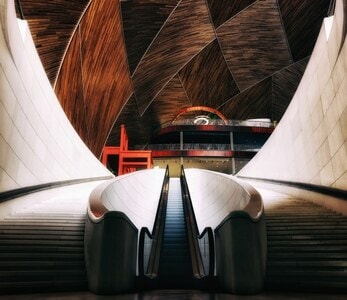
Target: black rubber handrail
pixel 143 233
pixel 194 236
pixel 19 6
pixel 11 194
pixel 209 232
pixel 331 9
pixel 151 270
pixel 325 190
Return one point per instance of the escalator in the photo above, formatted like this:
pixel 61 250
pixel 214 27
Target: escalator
pixel 175 266
pixel 171 256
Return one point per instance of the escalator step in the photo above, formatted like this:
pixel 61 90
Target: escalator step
pixel 307 248
pixel 175 262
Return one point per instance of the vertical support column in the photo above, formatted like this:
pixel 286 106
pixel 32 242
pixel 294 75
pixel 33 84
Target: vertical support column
pixel 120 164
pixel 181 145
pixel 123 144
pixel 233 168
pixel 149 160
pixel 231 141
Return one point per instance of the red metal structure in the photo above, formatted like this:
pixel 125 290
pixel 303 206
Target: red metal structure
pixel 128 160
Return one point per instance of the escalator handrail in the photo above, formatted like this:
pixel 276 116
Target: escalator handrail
pixel 209 232
pixel 23 191
pixel 143 232
pixel 156 236
pixel 193 234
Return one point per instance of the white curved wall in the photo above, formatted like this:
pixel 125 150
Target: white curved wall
pixel 214 195
pixel 37 142
pixel 310 143
pixel 135 194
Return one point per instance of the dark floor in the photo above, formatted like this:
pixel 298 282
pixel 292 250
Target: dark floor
pixel 176 295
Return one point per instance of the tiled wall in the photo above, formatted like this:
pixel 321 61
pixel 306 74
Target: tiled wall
pixel 214 196
pixel 310 143
pixel 37 143
pixel 135 194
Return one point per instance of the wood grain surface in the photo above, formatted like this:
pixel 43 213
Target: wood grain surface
pixel 139 62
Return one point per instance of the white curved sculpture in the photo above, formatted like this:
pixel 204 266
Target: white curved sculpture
pixel 37 142
pixel 136 195
pixel 309 144
pixel 234 210
pixel 215 195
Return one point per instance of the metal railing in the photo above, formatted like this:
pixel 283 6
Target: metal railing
pixel 205 146
pixel 201 245
pixel 251 123
pixel 150 243
pixel 20 10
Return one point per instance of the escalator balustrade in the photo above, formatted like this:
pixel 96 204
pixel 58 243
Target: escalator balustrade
pixel 172 264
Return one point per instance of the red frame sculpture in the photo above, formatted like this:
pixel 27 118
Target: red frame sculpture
pixel 129 160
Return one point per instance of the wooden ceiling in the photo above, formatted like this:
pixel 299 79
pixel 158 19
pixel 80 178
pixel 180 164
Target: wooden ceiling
pixel 139 62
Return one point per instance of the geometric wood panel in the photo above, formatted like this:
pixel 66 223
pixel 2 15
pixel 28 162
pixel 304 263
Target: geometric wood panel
pixel 69 92
pixel 162 110
pixel 51 25
pixel 302 20
pixel 172 49
pixel 207 79
pixel 129 115
pixel 169 102
pixel 223 10
pixel 106 83
pixel 255 102
pixel 251 40
pixel 142 19
pixel 284 85
pixel 186 32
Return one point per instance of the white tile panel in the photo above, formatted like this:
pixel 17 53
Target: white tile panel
pixel 335 139
pixel 341 99
pixel 341 183
pixel 327 175
pixel 339 162
pixel 43 144
pixel 331 117
pixel 6 180
pixel 320 102
pixel 327 95
pixel 343 124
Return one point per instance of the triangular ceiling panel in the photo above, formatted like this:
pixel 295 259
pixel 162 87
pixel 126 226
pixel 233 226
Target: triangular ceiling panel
pixel 185 33
pixel 106 83
pixel 223 10
pixel 130 118
pixel 69 92
pixel 255 102
pixel 302 20
pixel 207 79
pixel 170 101
pixel 142 19
pixel 286 80
pixel 51 25
pixel 165 106
pixel 259 41
pixel 162 110
pixel 251 40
